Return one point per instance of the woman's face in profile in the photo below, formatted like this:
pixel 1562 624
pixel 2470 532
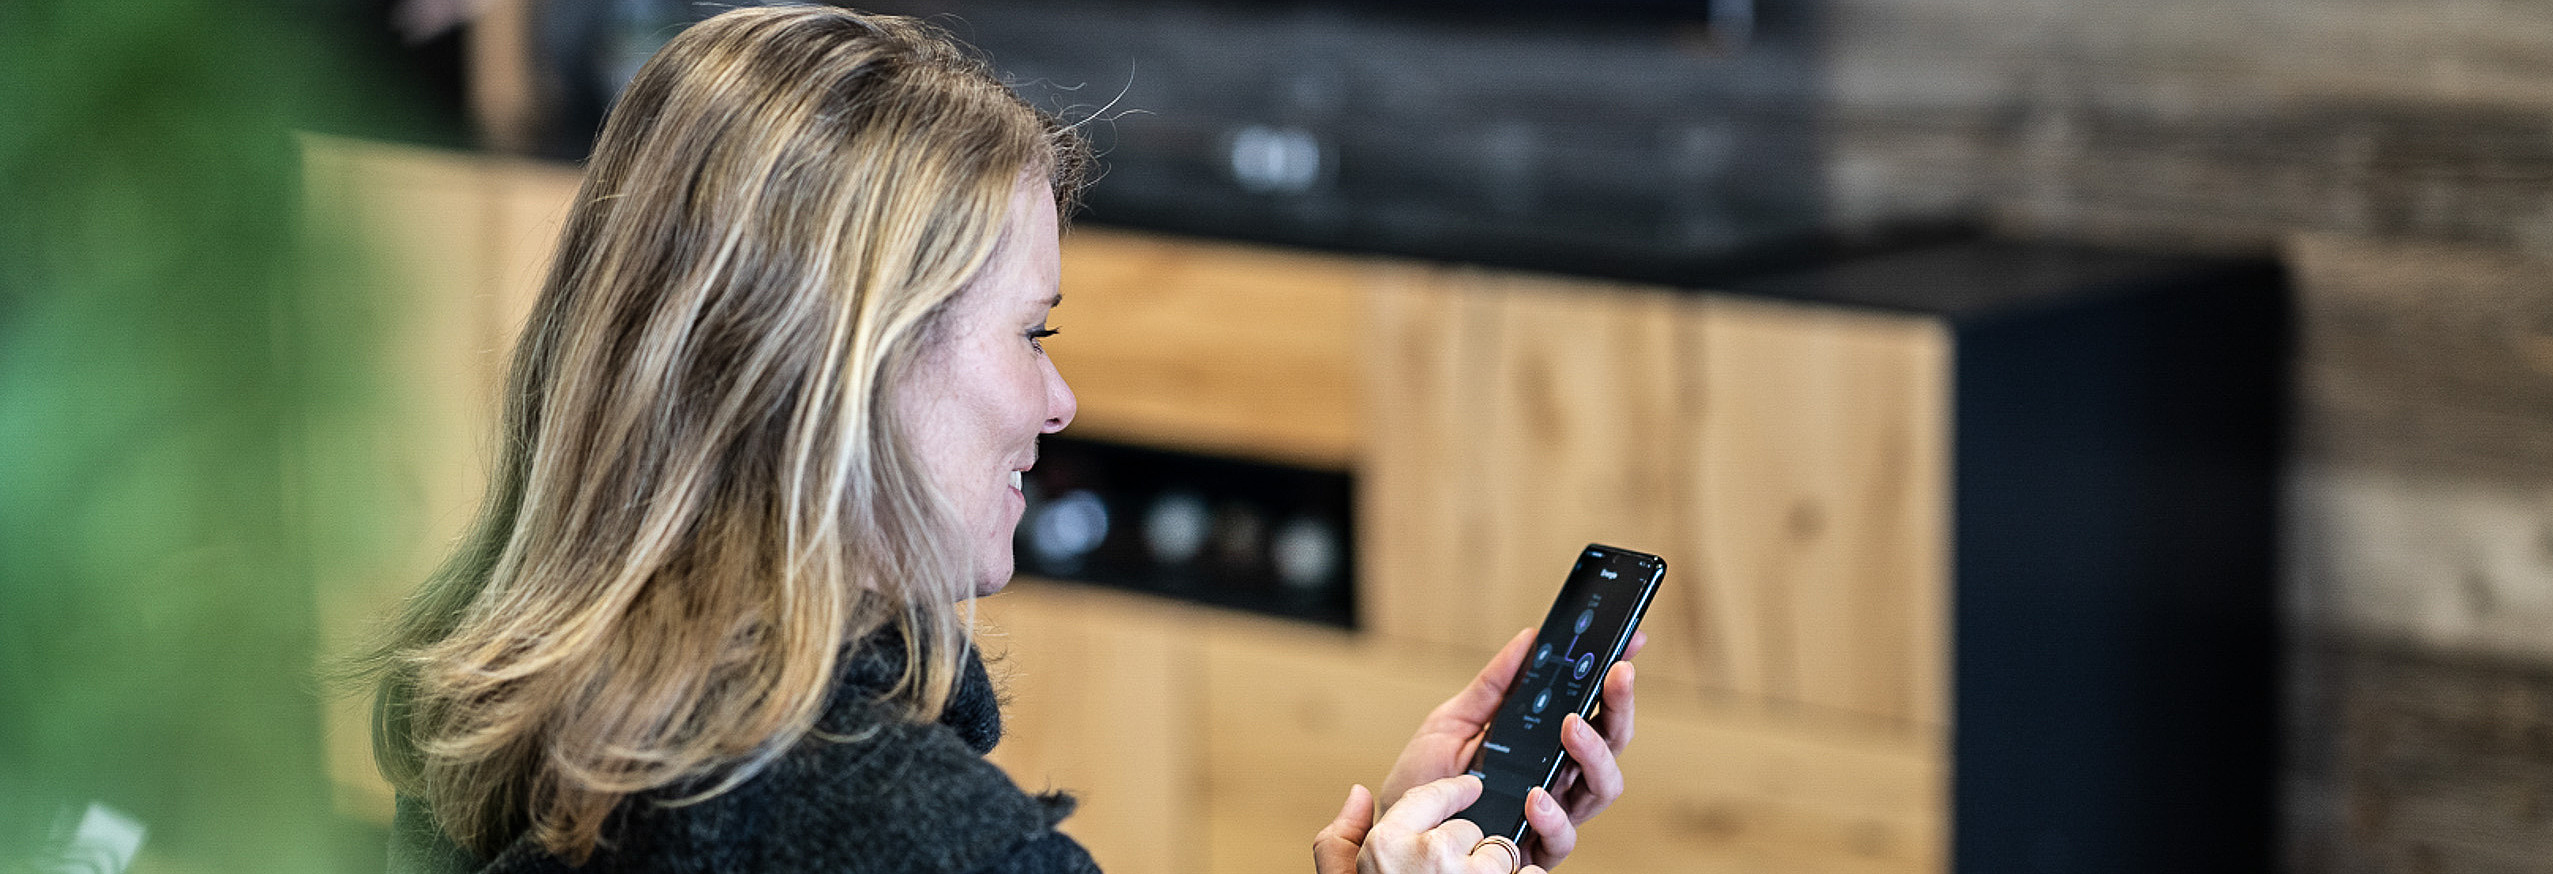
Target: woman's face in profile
pixel 979 397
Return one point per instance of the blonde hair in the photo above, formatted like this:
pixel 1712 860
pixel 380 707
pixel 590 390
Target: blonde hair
pixel 704 495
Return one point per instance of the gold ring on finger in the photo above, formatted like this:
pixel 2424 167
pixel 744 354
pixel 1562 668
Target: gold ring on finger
pixel 1515 856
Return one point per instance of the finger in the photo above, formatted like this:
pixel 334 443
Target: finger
pixel 1599 776
pixel 1565 783
pixel 1429 805
pixel 1618 702
pixel 1460 834
pixel 1554 835
pixel 1455 845
pixel 1470 709
pixel 1458 845
pixel 1334 849
pixel 1639 639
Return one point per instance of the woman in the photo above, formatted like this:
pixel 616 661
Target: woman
pixel 763 442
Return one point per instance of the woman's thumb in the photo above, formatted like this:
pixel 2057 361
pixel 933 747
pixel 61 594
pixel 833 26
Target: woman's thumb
pixel 1334 849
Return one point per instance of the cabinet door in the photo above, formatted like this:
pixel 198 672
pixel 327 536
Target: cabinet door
pixel 1726 790
pixel 1101 693
pixel 1512 422
pixel 1819 507
pixel 1294 716
pixel 1789 462
pixel 1212 347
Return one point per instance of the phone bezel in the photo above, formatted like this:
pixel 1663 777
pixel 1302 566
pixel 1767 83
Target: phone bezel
pixel 1594 693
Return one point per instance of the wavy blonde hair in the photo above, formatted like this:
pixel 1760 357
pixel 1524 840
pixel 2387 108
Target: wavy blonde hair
pixel 703 495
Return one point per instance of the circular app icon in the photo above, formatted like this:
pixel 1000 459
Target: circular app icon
pixel 1585 663
pixel 1542 656
pixel 1586 618
pixel 1542 699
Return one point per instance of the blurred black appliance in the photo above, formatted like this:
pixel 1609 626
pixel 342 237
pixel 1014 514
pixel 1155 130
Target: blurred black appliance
pixel 1250 536
pixel 1628 138
pixel 1659 140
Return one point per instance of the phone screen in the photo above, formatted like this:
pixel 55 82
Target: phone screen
pixel 1563 673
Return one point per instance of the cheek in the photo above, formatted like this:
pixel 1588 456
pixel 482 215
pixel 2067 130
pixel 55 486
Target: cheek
pixel 1022 399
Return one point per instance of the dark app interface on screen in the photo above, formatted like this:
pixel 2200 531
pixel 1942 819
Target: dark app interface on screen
pixel 1562 674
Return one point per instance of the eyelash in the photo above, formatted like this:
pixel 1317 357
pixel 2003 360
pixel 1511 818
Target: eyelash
pixel 1036 335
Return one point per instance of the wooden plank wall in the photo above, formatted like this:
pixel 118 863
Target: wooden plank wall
pixel 2400 156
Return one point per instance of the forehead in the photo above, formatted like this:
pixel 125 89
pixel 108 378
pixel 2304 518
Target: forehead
pixel 1030 247
pixel 1026 263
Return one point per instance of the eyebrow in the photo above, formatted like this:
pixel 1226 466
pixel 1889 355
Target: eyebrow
pixel 1056 301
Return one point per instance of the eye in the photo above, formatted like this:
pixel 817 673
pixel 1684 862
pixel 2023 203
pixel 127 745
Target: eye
pixel 1038 334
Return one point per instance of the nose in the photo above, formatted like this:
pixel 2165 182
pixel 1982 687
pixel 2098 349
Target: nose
pixel 1060 403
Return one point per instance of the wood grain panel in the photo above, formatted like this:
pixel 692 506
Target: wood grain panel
pixel 1212 347
pixel 2426 357
pixel 2424 397
pixel 1586 412
pixel 1518 419
pixel 1101 693
pixel 1424 526
pixel 1822 506
pixel 1715 789
pixel 1295 717
pixel 1101 701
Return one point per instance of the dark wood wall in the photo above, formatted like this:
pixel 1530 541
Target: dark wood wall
pixel 2400 156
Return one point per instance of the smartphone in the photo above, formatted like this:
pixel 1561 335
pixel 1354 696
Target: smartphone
pixel 1563 673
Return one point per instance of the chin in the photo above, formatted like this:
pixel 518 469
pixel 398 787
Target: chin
pixel 996 576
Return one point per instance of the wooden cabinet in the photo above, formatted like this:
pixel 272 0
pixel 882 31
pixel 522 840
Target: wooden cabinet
pixel 1788 462
pixel 1208 741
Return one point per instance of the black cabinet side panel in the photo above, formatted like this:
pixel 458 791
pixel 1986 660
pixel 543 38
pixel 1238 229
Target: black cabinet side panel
pixel 2115 670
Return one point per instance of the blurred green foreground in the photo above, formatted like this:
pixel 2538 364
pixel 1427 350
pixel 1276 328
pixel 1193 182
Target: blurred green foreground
pixel 168 356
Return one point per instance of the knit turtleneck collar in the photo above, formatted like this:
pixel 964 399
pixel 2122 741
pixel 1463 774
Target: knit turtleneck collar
pixel 871 668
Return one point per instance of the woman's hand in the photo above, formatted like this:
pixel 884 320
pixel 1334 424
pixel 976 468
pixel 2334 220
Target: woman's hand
pixel 1417 837
pixel 1588 784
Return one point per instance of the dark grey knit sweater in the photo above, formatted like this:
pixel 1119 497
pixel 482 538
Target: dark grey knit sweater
pixel 909 798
